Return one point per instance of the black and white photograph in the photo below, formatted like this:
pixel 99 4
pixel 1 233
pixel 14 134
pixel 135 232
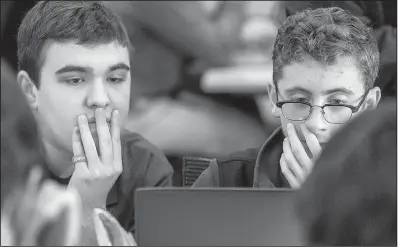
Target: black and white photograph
pixel 199 123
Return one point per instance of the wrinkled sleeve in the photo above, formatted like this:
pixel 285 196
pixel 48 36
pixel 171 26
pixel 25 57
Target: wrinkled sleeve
pixel 210 177
pixel 160 172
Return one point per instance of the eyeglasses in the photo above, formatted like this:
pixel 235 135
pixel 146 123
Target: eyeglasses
pixel 334 114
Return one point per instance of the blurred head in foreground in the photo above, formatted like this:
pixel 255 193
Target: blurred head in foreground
pixel 351 196
pixel 34 211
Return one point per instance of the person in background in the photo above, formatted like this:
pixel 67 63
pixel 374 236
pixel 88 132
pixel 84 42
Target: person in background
pixel 74 61
pixel 350 198
pixel 35 211
pixel 325 62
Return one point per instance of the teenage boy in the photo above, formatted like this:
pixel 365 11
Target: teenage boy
pixel 325 62
pixel 74 69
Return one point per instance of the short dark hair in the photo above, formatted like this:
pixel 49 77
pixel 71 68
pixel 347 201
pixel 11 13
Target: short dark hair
pixel 325 34
pixel 351 196
pixel 85 22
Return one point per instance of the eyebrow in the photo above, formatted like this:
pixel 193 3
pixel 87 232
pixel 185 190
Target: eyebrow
pixel 119 66
pixel 338 90
pixel 74 68
pixel 326 92
pixel 297 89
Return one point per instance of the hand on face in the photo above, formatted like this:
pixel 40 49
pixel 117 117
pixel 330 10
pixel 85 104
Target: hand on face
pixel 295 163
pixel 95 177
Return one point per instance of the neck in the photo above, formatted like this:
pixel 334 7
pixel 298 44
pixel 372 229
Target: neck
pixel 58 160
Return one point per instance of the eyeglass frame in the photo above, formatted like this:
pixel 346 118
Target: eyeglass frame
pixel 354 109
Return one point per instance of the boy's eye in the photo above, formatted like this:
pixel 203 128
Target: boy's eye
pixel 337 101
pixel 115 79
pixel 300 99
pixel 74 80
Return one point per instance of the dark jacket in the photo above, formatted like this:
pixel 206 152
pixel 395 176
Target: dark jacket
pixel 250 168
pixel 144 165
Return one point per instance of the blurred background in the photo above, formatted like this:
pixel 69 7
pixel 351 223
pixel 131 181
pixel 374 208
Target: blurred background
pixel 201 68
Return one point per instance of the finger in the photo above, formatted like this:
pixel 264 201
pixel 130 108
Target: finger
pixel 33 184
pixel 88 143
pixel 112 228
pixel 104 137
pixel 77 144
pixel 117 148
pixel 311 140
pixel 78 150
pixel 297 147
pixel 291 161
pixel 131 239
pixel 288 173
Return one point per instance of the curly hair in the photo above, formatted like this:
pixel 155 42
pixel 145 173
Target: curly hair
pixel 85 22
pixel 324 35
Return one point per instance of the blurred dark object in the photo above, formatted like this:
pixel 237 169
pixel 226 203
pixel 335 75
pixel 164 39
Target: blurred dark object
pixel 350 198
pixel 20 142
pixel 5 10
pixel 192 168
pixel 380 15
pixel 12 13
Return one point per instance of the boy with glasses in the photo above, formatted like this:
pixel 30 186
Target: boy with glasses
pixel 325 62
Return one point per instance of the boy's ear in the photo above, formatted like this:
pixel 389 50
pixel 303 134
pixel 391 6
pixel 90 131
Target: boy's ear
pixel 373 98
pixel 276 111
pixel 29 89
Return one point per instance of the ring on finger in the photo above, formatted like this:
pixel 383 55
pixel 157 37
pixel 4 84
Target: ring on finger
pixel 79 159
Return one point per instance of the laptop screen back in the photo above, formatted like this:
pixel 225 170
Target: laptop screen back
pixel 216 217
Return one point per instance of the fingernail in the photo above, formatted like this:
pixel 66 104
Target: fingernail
pixel 99 111
pixel 82 119
pixel 116 112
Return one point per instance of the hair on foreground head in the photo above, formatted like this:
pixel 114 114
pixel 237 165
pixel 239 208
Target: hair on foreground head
pixel 87 23
pixel 351 196
pixel 20 140
pixel 324 35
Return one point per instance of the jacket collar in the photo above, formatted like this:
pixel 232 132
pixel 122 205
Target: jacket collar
pixel 267 172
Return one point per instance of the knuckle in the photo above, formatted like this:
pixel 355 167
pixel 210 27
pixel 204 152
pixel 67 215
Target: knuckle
pixel 288 159
pixel 118 170
pixel 107 142
pixel 295 149
pixel 116 141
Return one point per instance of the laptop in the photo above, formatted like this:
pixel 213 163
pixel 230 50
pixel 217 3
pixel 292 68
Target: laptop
pixel 216 217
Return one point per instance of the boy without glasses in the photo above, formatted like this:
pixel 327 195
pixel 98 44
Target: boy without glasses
pixel 325 62
pixel 74 69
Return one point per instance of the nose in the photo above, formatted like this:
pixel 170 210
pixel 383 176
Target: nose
pixel 98 96
pixel 316 121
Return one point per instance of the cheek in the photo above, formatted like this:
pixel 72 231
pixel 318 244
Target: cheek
pixel 121 102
